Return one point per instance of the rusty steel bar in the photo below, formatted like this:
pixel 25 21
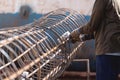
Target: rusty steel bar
pixel 36 51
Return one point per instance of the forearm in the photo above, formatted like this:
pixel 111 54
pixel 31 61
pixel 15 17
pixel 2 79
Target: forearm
pixel 87 37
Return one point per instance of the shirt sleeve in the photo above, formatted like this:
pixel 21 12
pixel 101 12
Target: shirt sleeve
pixel 87 37
pixel 96 18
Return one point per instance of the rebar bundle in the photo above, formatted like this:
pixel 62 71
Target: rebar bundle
pixel 36 51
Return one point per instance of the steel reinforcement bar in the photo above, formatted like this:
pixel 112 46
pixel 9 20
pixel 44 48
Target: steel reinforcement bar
pixel 36 51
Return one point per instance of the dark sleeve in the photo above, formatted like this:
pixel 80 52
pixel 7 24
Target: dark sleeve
pixel 96 18
pixel 87 37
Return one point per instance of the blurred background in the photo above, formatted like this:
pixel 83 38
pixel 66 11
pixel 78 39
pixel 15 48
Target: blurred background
pixel 20 12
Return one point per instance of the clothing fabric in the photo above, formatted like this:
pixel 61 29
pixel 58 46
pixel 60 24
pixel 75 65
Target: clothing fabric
pixel 87 37
pixel 107 67
pixel 115 54
pixel 105 26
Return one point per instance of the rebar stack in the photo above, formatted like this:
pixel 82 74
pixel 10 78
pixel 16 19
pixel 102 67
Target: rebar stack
pixel 36 51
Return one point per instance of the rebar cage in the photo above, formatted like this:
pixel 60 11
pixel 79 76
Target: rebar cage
pixel 36 51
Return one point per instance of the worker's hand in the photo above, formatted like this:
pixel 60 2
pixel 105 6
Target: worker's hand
pixel 65 36
pixel 74 36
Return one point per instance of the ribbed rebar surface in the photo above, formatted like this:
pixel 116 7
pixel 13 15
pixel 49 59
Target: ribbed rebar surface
pixel 36 51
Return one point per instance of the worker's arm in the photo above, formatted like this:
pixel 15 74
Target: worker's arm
pixel 96 18
pixel 86 37
pixel 82 37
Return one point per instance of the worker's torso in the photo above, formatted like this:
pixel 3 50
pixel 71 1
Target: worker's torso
pixel 108 33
